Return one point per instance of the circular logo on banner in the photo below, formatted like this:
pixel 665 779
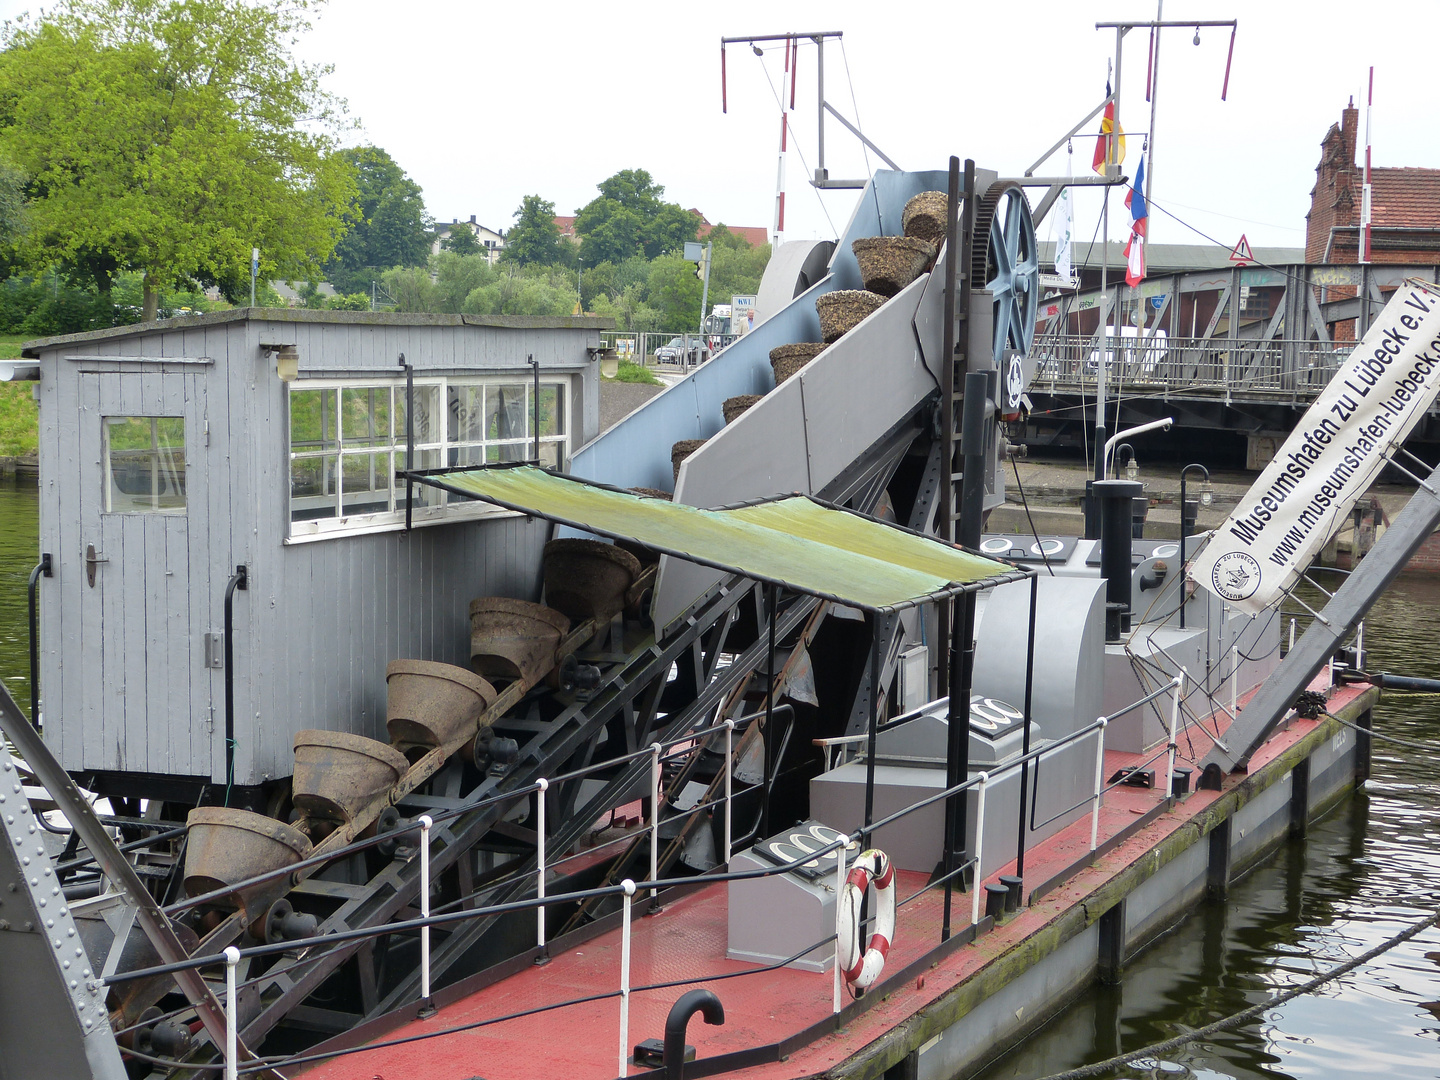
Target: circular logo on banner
pixel 1014 384
pixel 1235 576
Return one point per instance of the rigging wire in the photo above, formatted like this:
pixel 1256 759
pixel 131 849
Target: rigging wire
pixel 1039 546
pixel 780 101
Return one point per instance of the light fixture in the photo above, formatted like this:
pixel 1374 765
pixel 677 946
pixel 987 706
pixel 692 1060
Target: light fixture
pixel 1132 470
pixel 1207 494
pixel 287 363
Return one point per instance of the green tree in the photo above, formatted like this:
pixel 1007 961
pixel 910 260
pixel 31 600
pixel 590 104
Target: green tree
pixel 171 136
pixel 461 240
pixel 629 217
pixel 545 293
pixel 412 289
pixel 736 266
pixel 674 291
pixel 391 223
pixel 534 239
pixel 457 276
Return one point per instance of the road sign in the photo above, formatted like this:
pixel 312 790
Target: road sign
pixel 1241 253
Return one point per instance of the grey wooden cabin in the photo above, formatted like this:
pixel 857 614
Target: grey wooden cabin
pixel 173 452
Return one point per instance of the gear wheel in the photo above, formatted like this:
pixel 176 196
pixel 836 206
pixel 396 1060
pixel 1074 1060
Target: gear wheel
pixel 1007 264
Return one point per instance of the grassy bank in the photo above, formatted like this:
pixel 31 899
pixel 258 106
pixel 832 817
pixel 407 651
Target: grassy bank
pixel 19 423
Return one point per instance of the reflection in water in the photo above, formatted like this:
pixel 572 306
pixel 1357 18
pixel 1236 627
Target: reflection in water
pixel 1363 874
pixel 19 552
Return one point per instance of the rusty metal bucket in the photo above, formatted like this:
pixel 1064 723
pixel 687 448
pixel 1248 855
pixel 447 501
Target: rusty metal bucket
pixel 429 704
pixel 225 846
pixel 587 579
pixel 514 639
pixel 338 774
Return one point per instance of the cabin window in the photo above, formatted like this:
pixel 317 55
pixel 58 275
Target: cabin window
pixel 348 439
pixel 144 464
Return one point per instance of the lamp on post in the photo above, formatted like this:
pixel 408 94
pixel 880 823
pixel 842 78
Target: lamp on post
pixel 1186 520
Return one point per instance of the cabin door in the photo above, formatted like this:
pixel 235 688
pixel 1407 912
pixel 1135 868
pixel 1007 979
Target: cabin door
pixel 144 584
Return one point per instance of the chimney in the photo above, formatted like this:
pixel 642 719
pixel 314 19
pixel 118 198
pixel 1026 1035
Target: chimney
pixel 1349 131
pixel 472 216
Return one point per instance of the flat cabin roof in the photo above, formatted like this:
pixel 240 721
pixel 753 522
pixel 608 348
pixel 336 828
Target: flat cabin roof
pixel 32 349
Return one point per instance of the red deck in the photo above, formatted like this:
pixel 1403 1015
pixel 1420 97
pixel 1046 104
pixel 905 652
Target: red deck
pixel 687 940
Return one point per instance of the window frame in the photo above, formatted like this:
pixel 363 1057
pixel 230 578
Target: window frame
pixel 157 455
pixel 444 446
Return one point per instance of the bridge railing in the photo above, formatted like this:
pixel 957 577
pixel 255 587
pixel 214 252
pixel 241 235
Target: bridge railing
pixel 1214 366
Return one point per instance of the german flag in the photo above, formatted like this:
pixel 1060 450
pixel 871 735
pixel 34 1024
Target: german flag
pixel 1107 128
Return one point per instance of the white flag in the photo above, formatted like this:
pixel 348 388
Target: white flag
pixel 1063 228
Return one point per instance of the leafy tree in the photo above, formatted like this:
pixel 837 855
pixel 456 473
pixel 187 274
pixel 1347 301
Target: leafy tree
pixel 535 238
pixel 629 218
pixel 347 302
pixel 457 276
pixel 391 223
pixel 674 291
pixel 166 136
pixel 412 288
pixel 735 266
pixel 524 294
pixel 629 310
pixel 461 240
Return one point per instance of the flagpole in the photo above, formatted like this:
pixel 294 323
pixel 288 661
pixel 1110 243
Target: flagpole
pixel 1112 147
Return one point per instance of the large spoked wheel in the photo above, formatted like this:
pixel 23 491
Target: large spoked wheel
pixel 1007 260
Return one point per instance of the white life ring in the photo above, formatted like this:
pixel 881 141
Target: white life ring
pixel 872 867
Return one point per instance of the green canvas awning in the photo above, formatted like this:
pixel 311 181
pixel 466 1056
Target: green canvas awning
pixel 794 541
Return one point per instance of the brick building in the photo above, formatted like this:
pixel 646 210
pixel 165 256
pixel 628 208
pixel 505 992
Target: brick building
pixel 1405 205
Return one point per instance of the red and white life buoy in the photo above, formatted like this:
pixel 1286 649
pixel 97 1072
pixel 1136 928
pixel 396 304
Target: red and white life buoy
pixel 872 868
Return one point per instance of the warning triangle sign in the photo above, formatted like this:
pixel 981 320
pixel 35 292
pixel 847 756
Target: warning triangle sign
pixel 1240 253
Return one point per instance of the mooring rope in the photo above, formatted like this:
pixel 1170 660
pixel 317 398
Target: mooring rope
pixel 1429 748
pixel 1101 1068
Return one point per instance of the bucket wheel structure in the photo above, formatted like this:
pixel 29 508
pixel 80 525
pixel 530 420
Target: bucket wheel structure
pixel 1007 265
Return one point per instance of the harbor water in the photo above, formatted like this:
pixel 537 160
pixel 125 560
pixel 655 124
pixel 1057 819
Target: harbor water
pixel 1364 873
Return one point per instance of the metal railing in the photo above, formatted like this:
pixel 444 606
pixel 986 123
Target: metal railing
pixel 668 350
pixel 627 889
pixel 1300 369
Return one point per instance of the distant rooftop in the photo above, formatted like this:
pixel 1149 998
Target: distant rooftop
pixel 1170 258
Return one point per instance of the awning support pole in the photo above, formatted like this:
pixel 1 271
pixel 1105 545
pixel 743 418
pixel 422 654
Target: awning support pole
pixel 1025 738
pixel 770 763
pixel 957 755
pixel 874 725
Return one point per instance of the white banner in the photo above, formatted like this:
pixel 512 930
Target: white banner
pixel 1331 458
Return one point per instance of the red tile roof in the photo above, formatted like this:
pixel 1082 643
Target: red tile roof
pixel 1405 198
pixel 754 235
pixel 567 225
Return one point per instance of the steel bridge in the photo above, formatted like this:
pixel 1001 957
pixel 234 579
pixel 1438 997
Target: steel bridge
pixel 1244 350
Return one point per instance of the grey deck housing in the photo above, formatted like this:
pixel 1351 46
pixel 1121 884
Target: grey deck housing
pixel 127 690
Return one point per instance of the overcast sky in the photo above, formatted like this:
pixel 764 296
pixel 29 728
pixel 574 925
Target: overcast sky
pixel 483 103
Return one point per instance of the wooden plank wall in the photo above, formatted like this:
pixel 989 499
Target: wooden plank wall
pixel 123 670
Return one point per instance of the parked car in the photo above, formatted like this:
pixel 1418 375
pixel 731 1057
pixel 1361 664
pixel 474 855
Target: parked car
pixel 674 351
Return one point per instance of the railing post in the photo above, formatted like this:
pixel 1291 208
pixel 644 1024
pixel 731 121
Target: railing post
pixel 1291 646
pixel 655 750
pixel 839 890
pixel 1179 684
pixel 542 785
pixel 1099 781
pixel 232 1014
pixel 427 1007
pixel 729 794
pixel 629 887
pixel 979 846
